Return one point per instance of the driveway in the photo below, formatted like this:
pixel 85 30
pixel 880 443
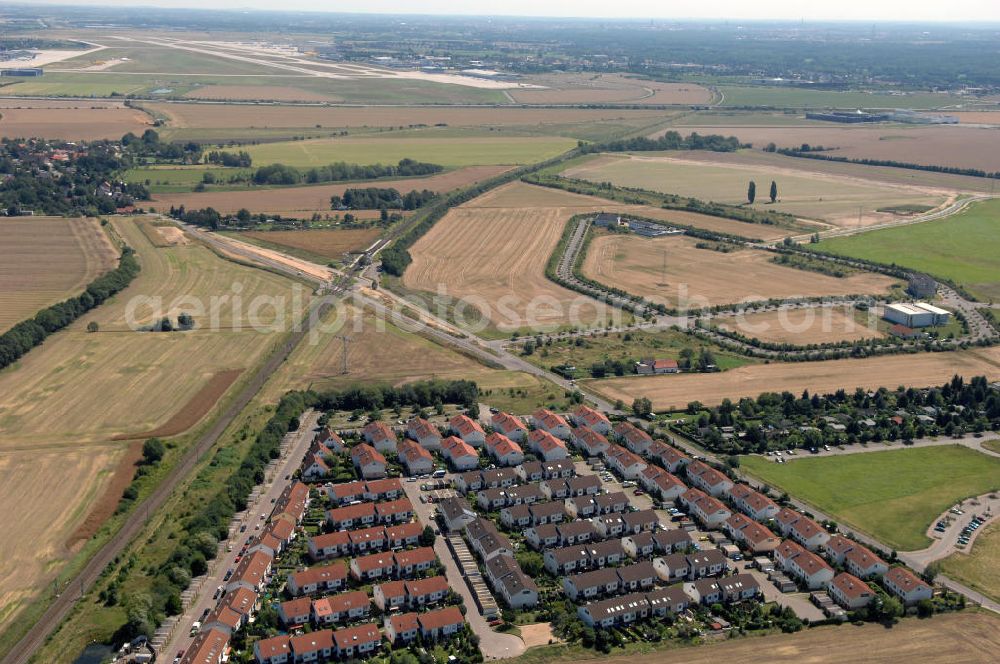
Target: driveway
pixel 797 602
pixel 495 645
pixel 294 447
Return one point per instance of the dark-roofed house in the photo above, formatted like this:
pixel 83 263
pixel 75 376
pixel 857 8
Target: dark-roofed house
pixel 668 601
pixel 640 545
pixel 708 562
pixel 575 532
pixel 704 591
pixel 637 576
pixel 668 541
pixel 739 587
pixel 622 610
pixel 486 540
pixel 643 520
pixel 595 583
pixel 508 580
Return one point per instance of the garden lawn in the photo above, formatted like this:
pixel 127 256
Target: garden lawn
pixel 892 495
pixel 964 248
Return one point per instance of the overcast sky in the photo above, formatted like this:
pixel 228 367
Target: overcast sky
pixel 861 10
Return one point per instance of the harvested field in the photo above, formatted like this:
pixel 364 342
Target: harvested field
pixel 978 117
pixel 954 638
pixel 46 260
pixel 302 202
pixel 494 258
pixel 822 196
pixel 694 277
pixel 196 408
pixel 332 244
pixel 939 145
pixel 608 88
pixel 46 494
pixel 204 116
pixel 72 121
pixel 91 387
pixel 109 499
pixel 977 568
pixel 802 326
pixel 920 370
pixel 251 92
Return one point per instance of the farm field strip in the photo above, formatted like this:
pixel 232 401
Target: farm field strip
pixel 936 145
pixel 608 89
pixel 919 370
pixel 446 151
pixel 46 260
pixel 816 196
pixel 892 495
pixel 674 271
pixel 79 123
pixel 331 244
pixel 304 201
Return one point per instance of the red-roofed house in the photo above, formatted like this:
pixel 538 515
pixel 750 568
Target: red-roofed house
pixel 459 453
pixel 588 441
pixel 323 578
pixel 208 647
pixel 425 433
pixel 413 561
pixel 295 612
pixel 755 537
pixel 662 484
pixel 708 479
pixel 389 595
pixel 369 461
pixel 373 566
pixel 753 503
pixel 468 430
pixel 330 440
pixel 394 511
pixel 330 545
pixel 352 516
pixel 650 367
pixel 634 438
pixel 380 435
pixel 441 623
pixel 251 573
pixel 315 466
pixel 312 647
pixel 341 608
pixel 510 426
pixel 405 534
pixel 549 422
pixel 906 585
pixel 850 592
pixel 357 641
pixel 504 450
pixel 585 416
pixel 346 492
pixel 547 446
pixel 402 628
pixel 275 650
pixel 627 464
pixel 415 458
pixel 669 457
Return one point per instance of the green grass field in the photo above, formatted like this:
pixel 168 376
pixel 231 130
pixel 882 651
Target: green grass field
pixel 735 95
pixel 442 149
pixel 964 248
pixel 176 179
pixel 806 195
pixel 894 495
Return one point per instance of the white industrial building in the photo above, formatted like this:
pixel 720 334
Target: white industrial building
pixel 918 314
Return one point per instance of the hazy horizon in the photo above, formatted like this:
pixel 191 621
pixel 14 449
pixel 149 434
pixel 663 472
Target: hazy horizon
pixel 846 10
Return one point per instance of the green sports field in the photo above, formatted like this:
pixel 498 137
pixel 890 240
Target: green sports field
pixel 446 150
pixel 964 248
pixel 894 495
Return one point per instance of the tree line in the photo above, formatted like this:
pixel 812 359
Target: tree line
pixel 806 152
pixel 376 198
pixel 280 174
pixel 17 341
pixel 671 140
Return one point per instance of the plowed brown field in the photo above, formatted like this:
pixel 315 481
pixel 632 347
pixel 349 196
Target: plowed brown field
pixel 922 370
pixel 71 121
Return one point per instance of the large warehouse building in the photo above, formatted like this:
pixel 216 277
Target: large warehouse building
pixel 918 314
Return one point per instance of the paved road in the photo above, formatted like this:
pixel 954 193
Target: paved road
pixel 495 645
pixel 944 544
pixel 294 448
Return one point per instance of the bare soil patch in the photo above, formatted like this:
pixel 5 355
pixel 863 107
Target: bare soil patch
pixel 539 634
pixel 81 123
pixel 302 202
pixel 921 370
pixel 172 235
pixel 196 408
pixel 673 271
pixel 331 244
pixel 46 260
pixel 208 116
pixel 801 326
pixel 106 505
pixel 937 145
